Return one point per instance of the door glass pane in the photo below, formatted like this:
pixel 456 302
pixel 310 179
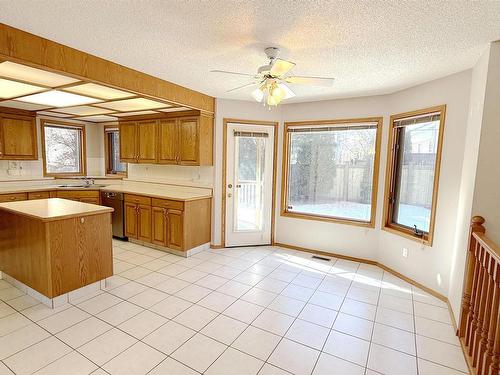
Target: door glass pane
pixel 249 183
pixel 330 173
pixel 415 183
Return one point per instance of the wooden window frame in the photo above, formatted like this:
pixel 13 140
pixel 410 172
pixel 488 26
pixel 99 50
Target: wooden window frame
pixel 83 147
pixel 390 179
pixel 107 160
pixel 285 166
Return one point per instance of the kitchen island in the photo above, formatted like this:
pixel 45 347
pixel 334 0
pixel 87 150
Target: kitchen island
pixel 55 246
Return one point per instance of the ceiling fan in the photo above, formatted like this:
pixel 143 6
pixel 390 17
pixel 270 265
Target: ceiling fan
pixel 271 80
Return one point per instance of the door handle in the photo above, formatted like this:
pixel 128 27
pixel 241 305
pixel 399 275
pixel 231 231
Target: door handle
pixel 230 186
pixel 229 195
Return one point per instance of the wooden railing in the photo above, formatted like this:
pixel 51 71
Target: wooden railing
pixel 479 328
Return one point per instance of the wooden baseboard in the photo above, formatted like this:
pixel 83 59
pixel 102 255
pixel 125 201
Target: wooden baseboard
pixel 367 261
pixel 212 246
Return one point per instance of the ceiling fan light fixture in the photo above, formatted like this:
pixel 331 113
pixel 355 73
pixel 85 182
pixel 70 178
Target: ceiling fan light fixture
pixel 258 94
pixel 278 92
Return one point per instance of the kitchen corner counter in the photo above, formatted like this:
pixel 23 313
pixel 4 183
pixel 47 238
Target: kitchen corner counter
pixel 53 209
pixel 172 192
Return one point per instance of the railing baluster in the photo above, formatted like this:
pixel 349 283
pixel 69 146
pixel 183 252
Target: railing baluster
pixel 483 318
pixel 493 328
pixel 476 298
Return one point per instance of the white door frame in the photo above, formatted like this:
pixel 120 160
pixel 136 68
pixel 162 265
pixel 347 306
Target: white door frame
pixel 227 121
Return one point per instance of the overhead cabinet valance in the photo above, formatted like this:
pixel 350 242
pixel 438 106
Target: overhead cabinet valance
pixel 170 140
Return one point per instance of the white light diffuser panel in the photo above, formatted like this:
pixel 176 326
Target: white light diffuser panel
pixel 11 89
pixel 176 109
pixel 22 105
pixel 55 98
pixel 52 114
pixel 123 114
pixel 137 104
pixel 33 75
pixel 84 110
pixel 99 91
pixel 99 118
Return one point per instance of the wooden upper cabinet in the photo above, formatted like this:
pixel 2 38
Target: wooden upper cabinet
pixel 146 141
pixel 18 137
pixel 188 141
pixel 128 142
pixel 168 143
pixel 169 140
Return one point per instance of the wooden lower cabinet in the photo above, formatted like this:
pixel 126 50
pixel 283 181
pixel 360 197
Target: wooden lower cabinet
pixel 13 197
pixel 159 229
pixel 38 195
pixel 171 224
pixel 175 230
pixel 87 196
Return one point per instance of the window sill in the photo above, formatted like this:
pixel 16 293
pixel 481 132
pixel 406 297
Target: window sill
pixel 329 219
pixel 408 235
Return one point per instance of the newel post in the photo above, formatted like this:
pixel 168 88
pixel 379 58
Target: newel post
pixel 470 266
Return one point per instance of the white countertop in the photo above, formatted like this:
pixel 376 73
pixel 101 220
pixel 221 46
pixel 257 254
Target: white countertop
pixel 156 190
pixel 53 208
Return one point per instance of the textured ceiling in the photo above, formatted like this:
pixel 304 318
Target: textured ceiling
pixel 370 47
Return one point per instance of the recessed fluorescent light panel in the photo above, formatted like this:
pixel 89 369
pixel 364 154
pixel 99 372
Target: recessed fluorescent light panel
pixel 84 110
pixel 11 89
pixel 137 104
pixel 176 109
pixel 22 105
pixel 99 91
pixel 33 75
pixel 138 113
pixel 99 118
pixel 55 98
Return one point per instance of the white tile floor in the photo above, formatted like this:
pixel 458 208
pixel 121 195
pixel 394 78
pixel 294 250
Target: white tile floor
pixel 257 310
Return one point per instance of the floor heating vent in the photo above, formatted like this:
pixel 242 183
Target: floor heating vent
pixel 320 258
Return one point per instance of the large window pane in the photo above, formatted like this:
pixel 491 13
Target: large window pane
pixel 63 149
pixel 330 172
pixel 414 185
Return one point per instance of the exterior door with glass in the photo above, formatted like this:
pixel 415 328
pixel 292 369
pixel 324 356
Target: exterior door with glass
pixel 249 184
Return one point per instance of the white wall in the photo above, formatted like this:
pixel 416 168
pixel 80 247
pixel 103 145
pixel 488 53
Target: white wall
pixel 427 265
pixel 33 169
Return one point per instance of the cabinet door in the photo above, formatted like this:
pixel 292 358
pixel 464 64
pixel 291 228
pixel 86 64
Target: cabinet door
pixel 175 229
pixel 18 137
pixel 131 220
pixel 168 142
pixel 128 141
pixel 159 227
pixel 144 223
pixel 146 137
pixel 188 141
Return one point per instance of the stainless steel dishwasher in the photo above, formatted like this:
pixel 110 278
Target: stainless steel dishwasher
pixel 115 200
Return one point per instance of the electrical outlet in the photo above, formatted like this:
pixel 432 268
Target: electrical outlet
pixel 405 252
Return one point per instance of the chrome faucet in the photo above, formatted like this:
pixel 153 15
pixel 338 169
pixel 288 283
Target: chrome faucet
pixel 88 181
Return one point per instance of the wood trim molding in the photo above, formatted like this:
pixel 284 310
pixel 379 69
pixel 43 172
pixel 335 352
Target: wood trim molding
pixel 29 49
pixel 376 168
pixel 386 224
pixel 83 171
pixel 224 166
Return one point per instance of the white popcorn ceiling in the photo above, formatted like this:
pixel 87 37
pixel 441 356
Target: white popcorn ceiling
pixel 370 47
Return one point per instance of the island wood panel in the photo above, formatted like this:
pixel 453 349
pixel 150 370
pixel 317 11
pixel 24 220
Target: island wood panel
pixel 22 47
pixel 80 252
pixel 59 256
pixel 24 252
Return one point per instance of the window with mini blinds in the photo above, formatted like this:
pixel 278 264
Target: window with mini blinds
pixel 415 142
pixel 331 170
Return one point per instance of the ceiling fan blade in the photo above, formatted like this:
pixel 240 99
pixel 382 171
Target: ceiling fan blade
pixel 281 67
pixel 242 87
pixel 233 73
pixel 313 81
pixel 288 91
